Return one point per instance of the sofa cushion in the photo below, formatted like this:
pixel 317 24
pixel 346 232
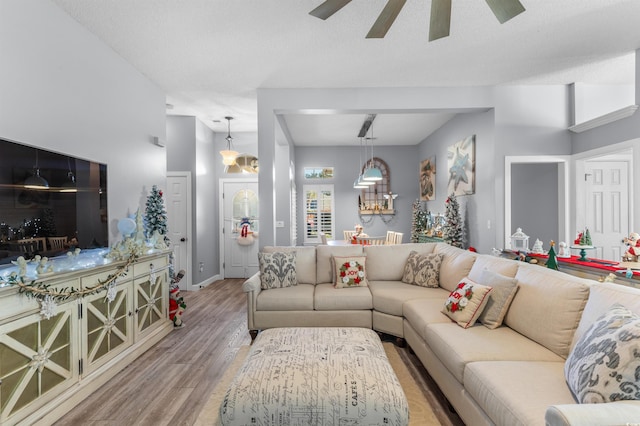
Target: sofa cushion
pixel 386 262
pixel 422 269
pixel 456 346
pixel 506 267
pixel 504 290
pixel 324 260
pixel 350 271
pixel 305 261
pixel 547 306
pixel 604 365
pixel 296 298
pixel 465 304
pixel 277 270
pixel 422 312
pixel 456 264
pixel 516 392
pixel 389 296
pixel 329 298
pixel 601 297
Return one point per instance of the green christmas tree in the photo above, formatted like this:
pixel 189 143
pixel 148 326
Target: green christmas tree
pixel 552 262
pixel 155 215
pixel 418 221
pixel 453 232
pixel 48 223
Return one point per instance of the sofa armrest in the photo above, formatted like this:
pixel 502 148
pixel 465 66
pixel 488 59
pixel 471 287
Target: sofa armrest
pixel 625 413
pixel 252 283
pixel 252 287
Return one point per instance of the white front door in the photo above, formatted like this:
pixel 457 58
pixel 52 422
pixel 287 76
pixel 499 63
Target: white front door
pixel 178 220
pixel 607 207
pixel 240 208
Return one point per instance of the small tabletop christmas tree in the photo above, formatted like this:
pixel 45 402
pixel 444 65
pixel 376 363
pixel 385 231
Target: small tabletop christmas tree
pixel 453 233
pixel 155 214
pixel 552 263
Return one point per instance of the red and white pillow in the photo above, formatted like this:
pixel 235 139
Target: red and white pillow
pixel 350 271
pixel 465 304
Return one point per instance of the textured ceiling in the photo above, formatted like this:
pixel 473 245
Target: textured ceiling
pixel 210 56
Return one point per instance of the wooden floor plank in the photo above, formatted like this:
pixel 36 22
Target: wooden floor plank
pixel 170 383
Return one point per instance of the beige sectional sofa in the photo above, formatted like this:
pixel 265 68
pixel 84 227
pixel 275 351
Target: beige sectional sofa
pixel 510 375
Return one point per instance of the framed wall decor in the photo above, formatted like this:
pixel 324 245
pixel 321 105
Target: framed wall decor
pixel 318 172
pixel 428 179
pixel 461 164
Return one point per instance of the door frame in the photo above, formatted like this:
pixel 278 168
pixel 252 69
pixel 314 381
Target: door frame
pixel 564 195
pixel 625 151
pixel 221 183
pixel 188 198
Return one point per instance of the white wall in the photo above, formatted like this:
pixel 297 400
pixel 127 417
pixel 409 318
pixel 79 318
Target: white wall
pixel 591 101
pixel 64 90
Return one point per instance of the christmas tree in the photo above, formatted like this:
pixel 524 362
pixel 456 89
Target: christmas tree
pixel 552 263
pixel 155 214
pixel 48 223
pixel 418 221
pixel 452 232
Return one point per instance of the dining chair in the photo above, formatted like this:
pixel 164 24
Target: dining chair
pixel 57 243
pixel 391 238
pixel 398 239
pixel 348 235
pixel 28 246
pixel 323 238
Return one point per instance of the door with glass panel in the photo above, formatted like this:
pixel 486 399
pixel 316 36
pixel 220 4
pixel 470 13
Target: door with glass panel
pixel 241 228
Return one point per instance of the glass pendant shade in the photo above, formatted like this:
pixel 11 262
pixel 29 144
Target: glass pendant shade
pixel 358 185
pixel 361 181
pixel 35 181
pixel 372 174
pixel 229 157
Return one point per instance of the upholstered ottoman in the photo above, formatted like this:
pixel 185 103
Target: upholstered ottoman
pixel 315 376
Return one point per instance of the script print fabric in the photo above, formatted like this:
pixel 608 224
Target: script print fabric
pixel 315 376
pixel 422 269
pixel 604 366
pixel 277 270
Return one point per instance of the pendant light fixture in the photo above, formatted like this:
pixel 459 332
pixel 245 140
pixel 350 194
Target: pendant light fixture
pixel 372 173
pixel 35 181
pixel 229 155
pixel 360 183
pixel 70 184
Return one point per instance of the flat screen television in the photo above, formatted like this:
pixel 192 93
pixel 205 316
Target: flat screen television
pixel 50 203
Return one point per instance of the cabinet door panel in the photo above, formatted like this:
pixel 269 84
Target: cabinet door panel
pixel 150 300
pixel 36 360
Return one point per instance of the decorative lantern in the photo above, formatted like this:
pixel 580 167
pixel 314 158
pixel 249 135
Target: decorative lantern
pixel 520 241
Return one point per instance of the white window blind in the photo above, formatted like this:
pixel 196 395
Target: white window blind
pixel 319 212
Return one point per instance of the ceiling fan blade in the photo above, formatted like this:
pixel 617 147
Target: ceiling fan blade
pixel 505 9
pixel 386 18
pixel 328 8
pixel 440 19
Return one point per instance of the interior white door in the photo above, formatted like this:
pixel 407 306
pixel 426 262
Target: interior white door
pixel 607 209
pixel 178 217
pixel 240 205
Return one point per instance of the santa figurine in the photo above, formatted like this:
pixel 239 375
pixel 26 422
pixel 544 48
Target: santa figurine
pixel 633 251
pixel 176 302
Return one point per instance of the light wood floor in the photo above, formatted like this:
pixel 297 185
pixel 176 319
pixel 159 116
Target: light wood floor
pixel 171 382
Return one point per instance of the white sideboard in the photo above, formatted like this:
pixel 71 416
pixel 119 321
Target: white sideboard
pixel 47 366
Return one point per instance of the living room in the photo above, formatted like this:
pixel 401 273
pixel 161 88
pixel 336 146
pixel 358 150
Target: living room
pixel 69 92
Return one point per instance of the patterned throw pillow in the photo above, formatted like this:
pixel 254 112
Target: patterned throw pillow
pixel 350 271
pixel 422 269
pixel 604 365
pixel 277 270
pixel 465 304
pixel 504 290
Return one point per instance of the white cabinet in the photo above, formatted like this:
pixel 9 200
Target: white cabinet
pixel 47 366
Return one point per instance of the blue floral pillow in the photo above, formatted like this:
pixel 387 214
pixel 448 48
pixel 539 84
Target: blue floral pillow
pixel 277 270
pixel 604 366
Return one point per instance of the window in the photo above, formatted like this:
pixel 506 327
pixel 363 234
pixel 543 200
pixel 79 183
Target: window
pixel 319 212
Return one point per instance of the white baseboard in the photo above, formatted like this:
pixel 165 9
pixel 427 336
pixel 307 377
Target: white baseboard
pixel 203 284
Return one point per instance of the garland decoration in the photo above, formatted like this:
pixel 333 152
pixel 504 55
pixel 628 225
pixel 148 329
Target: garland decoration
pixel 49 297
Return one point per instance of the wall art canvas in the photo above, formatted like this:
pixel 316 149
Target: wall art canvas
pixel 428 179
pixel 461 162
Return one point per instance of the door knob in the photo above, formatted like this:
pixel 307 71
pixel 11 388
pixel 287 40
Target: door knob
pixel 183 239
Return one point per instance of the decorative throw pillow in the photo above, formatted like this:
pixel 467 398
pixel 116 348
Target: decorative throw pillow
pixel 422 269
pixel 277 270
pixel 350 271
pixel 604 365
pixel 465 304
pixel 504 290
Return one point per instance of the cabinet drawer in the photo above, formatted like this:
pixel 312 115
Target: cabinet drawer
pixel 145 266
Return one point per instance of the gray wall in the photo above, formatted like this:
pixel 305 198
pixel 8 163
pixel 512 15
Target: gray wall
pixel 68 92
pixel 404 176
pixel 534 201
